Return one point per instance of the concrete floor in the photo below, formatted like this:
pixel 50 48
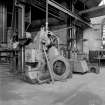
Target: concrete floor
pixel 87 89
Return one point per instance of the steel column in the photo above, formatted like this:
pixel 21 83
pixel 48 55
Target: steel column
pixel 69 31
pixel 3 22
pixel 21 28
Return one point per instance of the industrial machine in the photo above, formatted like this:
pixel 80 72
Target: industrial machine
pixel 43 61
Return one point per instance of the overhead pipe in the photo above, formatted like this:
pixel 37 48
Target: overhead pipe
pixel 67 11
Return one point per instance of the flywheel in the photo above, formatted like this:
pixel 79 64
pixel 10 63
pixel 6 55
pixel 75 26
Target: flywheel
pixel 61 68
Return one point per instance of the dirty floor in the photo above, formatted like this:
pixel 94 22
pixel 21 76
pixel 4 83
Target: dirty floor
pixel 87 89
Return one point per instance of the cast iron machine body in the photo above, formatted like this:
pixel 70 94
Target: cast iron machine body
pixel 43 60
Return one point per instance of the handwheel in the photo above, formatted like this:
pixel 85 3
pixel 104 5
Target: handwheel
pixel 61 68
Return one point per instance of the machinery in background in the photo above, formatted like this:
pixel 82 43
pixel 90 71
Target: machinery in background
pixel 81 64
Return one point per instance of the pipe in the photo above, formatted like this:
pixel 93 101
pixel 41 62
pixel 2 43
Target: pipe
pixel 46 15
pixel 22 35
pixel 23 27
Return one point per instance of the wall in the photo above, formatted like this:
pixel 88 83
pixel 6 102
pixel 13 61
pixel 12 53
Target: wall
pixel 61 32
pixel 92 39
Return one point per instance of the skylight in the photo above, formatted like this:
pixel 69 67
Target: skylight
pixel 102 3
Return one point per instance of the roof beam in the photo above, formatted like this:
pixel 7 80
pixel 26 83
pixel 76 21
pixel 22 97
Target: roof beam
pixel 67 11
pixel 92 9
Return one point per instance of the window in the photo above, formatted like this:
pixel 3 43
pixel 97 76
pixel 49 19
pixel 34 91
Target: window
pixel 102 3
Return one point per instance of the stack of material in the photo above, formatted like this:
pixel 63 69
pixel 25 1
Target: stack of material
pixel 5 72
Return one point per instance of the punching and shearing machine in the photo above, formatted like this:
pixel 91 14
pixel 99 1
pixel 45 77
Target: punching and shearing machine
pixel 43 60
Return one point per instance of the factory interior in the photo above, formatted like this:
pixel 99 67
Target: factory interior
pixel 52 52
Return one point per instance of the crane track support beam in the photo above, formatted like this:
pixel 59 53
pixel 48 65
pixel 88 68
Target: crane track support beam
pixel 67 11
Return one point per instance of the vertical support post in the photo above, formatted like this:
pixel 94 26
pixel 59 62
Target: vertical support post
pixel 46 15
pixel 30 14
pixel 69 31
pixel 21 27
pixel 82 41
pixel 3 21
